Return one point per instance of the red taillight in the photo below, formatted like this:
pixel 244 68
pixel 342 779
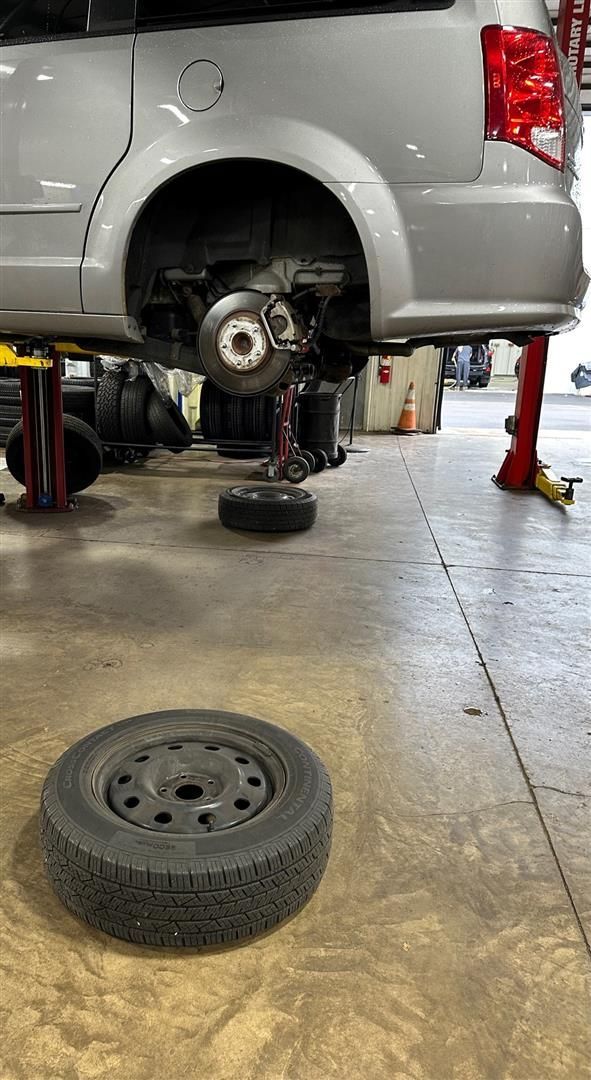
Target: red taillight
pixel 524 92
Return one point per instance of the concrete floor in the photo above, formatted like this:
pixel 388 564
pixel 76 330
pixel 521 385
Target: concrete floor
pixel 429 638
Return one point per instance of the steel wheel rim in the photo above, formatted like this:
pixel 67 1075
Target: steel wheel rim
pixel 270 495
pixel 194 784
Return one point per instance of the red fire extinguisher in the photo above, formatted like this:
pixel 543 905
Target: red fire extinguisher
pixel 385 370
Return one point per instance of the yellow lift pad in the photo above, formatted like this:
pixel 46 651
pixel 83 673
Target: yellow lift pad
pixel 8 357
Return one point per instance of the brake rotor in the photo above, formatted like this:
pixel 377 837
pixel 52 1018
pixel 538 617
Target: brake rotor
pixel 235 348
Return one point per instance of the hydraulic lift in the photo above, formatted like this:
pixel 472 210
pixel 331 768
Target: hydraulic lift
pixel 522 469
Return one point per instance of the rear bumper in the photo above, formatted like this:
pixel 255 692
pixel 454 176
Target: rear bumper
pixel 501 254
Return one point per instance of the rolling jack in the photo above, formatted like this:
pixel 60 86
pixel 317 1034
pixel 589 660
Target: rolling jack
pixel 562 490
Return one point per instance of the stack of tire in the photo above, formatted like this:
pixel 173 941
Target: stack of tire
pixel 82 448
pixel 227 418
pixel 83 454
pixel 78 398
pixel 131 413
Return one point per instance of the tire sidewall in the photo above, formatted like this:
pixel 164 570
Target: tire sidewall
pixel 70 783
pixel 167 423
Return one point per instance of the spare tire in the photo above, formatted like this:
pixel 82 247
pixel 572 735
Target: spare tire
pixel 186 828
pixel 167 423
pixel 261 508
pixel 83 454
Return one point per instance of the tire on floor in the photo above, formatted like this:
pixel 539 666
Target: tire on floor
pixel 262 508
pixel 186 828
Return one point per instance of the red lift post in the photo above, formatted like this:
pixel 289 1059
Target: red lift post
pixel 521 466
pixel 43 437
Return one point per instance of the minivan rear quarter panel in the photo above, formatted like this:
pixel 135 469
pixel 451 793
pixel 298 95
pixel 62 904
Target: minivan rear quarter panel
pixel 373 98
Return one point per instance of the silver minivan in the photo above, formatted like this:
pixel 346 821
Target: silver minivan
pixel 262 190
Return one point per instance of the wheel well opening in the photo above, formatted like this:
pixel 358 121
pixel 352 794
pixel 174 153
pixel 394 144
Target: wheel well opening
pixel 242 223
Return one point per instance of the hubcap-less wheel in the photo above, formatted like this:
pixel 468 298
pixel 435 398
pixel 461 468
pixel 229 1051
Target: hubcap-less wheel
pixel 146 835
pixel 190 787
pixel 267 509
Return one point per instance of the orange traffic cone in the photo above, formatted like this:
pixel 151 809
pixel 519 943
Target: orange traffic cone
pixel 407 424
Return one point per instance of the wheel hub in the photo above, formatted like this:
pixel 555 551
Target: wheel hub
pixel 189 787
pixel 242 343
pixel 236 345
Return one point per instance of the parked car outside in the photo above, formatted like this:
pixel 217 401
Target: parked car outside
pixel 256 191
pixel 480 365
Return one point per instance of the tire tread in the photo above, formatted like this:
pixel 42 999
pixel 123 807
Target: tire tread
pixel 108 407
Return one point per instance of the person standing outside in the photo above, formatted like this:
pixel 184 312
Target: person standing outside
pixel 462 357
